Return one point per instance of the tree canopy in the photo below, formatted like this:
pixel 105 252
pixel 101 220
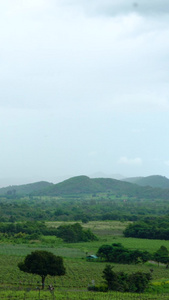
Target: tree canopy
pixel 43 263
pixel 162 256
pixel 149 228
pixel 123 282
pixel 75 233
pixel 119 254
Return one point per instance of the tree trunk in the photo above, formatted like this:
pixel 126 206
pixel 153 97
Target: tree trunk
pixel 43 281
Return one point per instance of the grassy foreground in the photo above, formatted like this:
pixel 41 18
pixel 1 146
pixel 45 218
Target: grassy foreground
pixel 76 295
pixel 80 273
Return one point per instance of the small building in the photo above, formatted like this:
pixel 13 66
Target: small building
pixel 91 257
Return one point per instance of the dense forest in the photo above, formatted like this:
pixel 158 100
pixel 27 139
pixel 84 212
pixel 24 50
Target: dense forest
pixel 80 208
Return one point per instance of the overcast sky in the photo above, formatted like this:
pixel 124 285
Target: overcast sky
pixel 84 88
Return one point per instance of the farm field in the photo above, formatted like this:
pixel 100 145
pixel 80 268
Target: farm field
pixel 80 273
pixel 77 295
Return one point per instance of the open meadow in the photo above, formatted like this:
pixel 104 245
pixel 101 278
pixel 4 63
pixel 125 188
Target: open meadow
pixel 80 273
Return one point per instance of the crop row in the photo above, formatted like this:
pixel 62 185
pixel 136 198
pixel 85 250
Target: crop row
pixel 76 295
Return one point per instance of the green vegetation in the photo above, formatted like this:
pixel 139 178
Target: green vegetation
pixel 64 219
pixel 123 282
pixel 149 228
pixel 92 207
pixel 75 233
pixel 77 295
pixel 84 199
pixel 25 231
pixel 162 255
pixel 24 189
pixel 119 254
pixel 43 263
pixel 78 277
pixel 153 181
pixel 83 185
pixel 28 230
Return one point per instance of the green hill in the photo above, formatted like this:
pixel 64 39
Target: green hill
pixel 153 181
pixel 24 189
pixel 84 185
pixel 74 185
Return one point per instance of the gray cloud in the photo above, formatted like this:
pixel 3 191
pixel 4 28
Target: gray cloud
pixel 77 87
pixel 130 161
pixel 111 8
pixel 117 60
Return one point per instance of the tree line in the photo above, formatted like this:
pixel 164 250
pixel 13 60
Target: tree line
pixel 117 253
pixel 33 230
pixel 97 206
pixel 149 228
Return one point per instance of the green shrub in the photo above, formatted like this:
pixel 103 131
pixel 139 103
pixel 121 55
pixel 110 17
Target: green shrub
pixel 75 233
pixel 98 288
pixel 122 282
pixel 119 254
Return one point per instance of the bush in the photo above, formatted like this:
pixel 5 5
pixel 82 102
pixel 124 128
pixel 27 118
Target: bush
pixel 98 288
pixel 75 233
pixel 119 254
pixel 138 282
pixel 122 282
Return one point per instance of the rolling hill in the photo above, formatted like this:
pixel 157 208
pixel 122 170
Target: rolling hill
pixel 153 181
pixel 84 185
pixel 24 189
pixel 79 185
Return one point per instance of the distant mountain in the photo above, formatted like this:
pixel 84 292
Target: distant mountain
pixel 84 185
pixel 25 189
pixel 80 185
pixel 103 175
pixel 73 185
pixel 153 181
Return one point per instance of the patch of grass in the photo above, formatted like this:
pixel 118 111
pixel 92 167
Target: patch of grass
pixel 77 295
pixel 100 228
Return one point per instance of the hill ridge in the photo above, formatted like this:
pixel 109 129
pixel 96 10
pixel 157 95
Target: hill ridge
pixel 24 189
pixel 152 180
pixel 84 185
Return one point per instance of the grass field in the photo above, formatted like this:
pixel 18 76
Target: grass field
pixel 80 273
pixel 76 295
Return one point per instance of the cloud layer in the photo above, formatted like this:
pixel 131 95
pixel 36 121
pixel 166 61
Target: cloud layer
pixel 84 87
pixel 111 8
pixel 130 161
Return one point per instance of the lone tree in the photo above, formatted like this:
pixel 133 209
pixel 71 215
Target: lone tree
pixel 43 263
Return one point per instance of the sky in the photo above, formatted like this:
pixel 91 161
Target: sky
pixel 84 89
